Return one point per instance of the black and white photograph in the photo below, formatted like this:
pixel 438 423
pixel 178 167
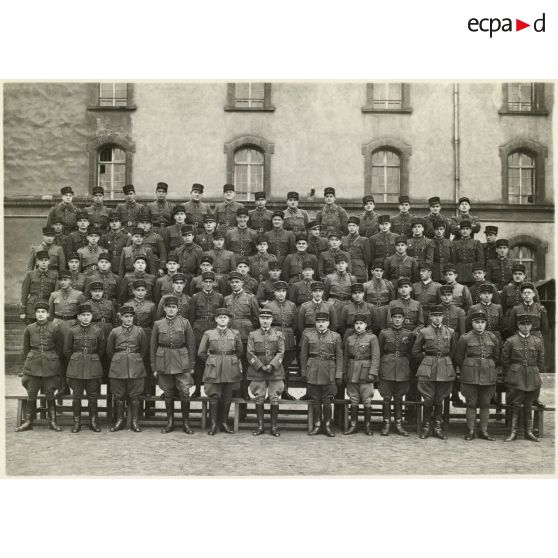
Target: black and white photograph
pixel 280 278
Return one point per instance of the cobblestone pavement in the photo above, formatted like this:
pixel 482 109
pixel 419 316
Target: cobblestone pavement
pixel 43 452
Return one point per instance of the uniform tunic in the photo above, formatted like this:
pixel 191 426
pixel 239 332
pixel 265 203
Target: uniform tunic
pixel 42 348
pixel 84 346
pixel 260 220
pixel 429 221
pixel 110 281
pixel 241 242
pixel 285 321
pixel 361 358
pixel 395 349
pixel 337 289
pixel 358 248
pixel 65 211
pixel 195 210
pixel 63 241
pixel 401 266
pixel 443 254
pixel 155 241
pixel 475 292
pixel 104 315
pixel 280 243
pixel 379 292
pixel 265 347
pixel 427 294
pixel 189 258
pixel 296 220
pixel 127 347
pixel 128 257
pixel 160 213
pixel 265 292
pixel 293 265
pixel 321 357
pixel 202 311
pixel 56 256
pixel 223 261
pixel 204 240
pixel 145 314
pixel 245 312
pixel 461 296
pixel 510 297
pixel 77 281
pixel 63 306
pixel 259 266
pixel 127 285
pixel 128 213
pixel 477 355
pixel 346 318
pixel 300 292
pixel 421 248
pixel 89 257
pixel 539 317
pixel 368 223
pixel 317 245
pixel 489 251
pixel 225 215
pixel 173 346
pixel 219 284
pixel 454 318
pixel 307 315
pixel 98 214
pixel 522 360
pixel 115 242
pixel 37 285
pixel 499 271
pixel 456 221
pixel 494 317
pixel 382 245
pixel 333 219
pixel 183 305
pixel 401 224
pixel 76 240
pixel 413 316
pixel 326 262
pixel 172 236
pixel 467 251
pixel 221 350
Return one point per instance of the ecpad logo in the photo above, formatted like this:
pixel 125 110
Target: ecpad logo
pixel 492 25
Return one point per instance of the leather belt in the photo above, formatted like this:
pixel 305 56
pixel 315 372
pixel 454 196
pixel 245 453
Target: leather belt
pixel 125 351
pixel 264 353
pixel 321 356
pixel 355 358
pixel 65 317
pixel 222 353
pixel 437 354
pixel 341 297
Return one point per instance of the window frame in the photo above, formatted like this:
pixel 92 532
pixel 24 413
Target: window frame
pixel 96 98
pixel 538 247
pixel 405 100
pixel 231 106
pixel 539 107
pixel 380 196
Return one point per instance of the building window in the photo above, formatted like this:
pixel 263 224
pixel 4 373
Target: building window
pixel 386 175
pixel 530 251
pixel 249 97
pixel 523 99
pixel 523 171
pixel 525 255
pixel 249 165
pixel 113 94
pixel 387 97
pixel 111 169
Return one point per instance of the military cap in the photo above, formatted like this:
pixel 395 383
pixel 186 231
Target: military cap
pixel 261 239
pixel 315 285
pixel 266 313
pixel 97 285
pixel 301 236
pixel 445 289
pixel 313 225
pixel 162 186
pixel 128 188
pixel 127 310
pixel 354 220
pixel 113 216
pixel 66 190
pixel 170 300
pixel 518 267
pixel 259 196
pixel 490 229
pixel 307 264
pixel 384 219
pixel 41 305
pixel 329 190
pixel 279 285
pixel 139 283
pixel 361 318
pixel 172 257
pixel 208 218
pixel 178 208
pixel 524 319
pixel 464 199
pixel 236 275
pixel 98 190
pixel 93 229
pixel 478 316
pixel 137 230
pixel 223 312
pixel 218 234
pixel 425 265
pixel 57 220
pixel 64 274
pixel 397 310
pixel 334 234
pixel 378 264
pixel 322 316
pixel 417 221
pixel 434 200
pixel 502 242
pixel 357 288
pixel 144 215
pixel 208 275
pixel 186 229
pixel 437 223
pixel 48 231
pixel 141 257
pixel 527 285
pixel 465 224
pixel 206 259
pixel 403 281
pixel 75 256
pixel 241 211
pixel 278 214
pixel 399 239
pixel 228 188
pixel 478 266
pixel 82 308
pixel 197 187
pixel 369 198
pixel 104 256
pixel 340 258
pixel 486 288
pixel 436 309
pixel 273 266
pixel 243 260
pixel 404 199
pixel 292 195
pixel 82 215
pixel 450 267
pixel 178 277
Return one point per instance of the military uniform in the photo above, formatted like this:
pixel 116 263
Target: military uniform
pixel 110 281
pixel 114 241
pixel 300 292
pixel 225 215
pixel 37 285
pixel 401 224
pixel 259 266
pixel 368 223
pixel 89 257
pixel 401 266
pixel 337 289
pixel 205 240
pixel 67 212
pixel 456 221
pixel 467 251
pixel 421 248
pixel 461 296
pixel 326 262
pixel 163 286
pixel 294 263
pixel 223 261
pixel 62 240
pixel 128 213
pixel 189 258
pixel 346 318
pixel 538 314
pixel 260 220
pixel 443 254
pixel 307 315
pixel 172 236
pixel 265 291
pixel 195 211
pixel 412 311
pixel 295 220
pixel 183 303
pixel 241 241
pixel 382 245
pixel 98 215
pixel 494 317
pixel 78 281
pixel 379 292
pixel 431 220
pixel 284 320
pixel 475 292
pixel 56 256
pixel 489 249
pixel 511 296
pixel 128 257
pixel 155 242
pixel 280 242
pixel 333 219
pixel 427 294
pixel 499 271
pixel 127 289
pixel 63 307
pixel 358 249
pixel 316 245
pixel 76 240
pixel 160 214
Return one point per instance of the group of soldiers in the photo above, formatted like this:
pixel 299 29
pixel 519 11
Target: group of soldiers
pixel 185 295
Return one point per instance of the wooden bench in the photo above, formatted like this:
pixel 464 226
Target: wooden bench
pixel 154 411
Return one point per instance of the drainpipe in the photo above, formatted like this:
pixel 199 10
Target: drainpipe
pixel 456 141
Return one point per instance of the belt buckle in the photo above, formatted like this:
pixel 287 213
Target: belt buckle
pixel 438 355
pixel 267 352
pixel 525 363
pixel 407 321
pixel 396 353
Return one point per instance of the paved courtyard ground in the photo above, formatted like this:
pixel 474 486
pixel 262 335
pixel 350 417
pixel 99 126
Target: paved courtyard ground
pixel 43 452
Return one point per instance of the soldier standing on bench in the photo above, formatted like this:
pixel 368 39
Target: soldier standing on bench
pixel 435 348
pixel 321 365
pixel 221 350
pixel 173 357
pixel 265 352
pixel 38 285
pixel 128 348
pixel 42 348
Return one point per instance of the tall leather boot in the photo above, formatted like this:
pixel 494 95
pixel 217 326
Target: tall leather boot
pixel 483 417
pixel 286 395
pixel 76 410
pixel 426 422
pixel 471 419
pixel 30 410
pixel 386 412
pixel 327 420
pixel 134 407
pixel 368 421
pixel 226 407
pixel 213 412
pixel 455 397
pixel 528 435
pixel 398 412
pixel 92 407
pixel 64 389
pixel 513 427
pixel 353 427
pixel 260 415
pixel 317 408
pixel 169 407
pixel 119 424
pixel 438 421
pixel 185 409
pixel 274 411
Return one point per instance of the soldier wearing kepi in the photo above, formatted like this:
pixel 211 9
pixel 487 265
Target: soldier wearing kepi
pixel 477 354
pixel 435 348
pixel 378 292
pixel 84 347
pixel 42 349
pixel 98 212
pixel 361 364
pixel 332 217
pixel 382 244
pixel 221 350
pixel 225 212
pixel 265 352
pixel 56 253
pixel 522 361
pixel 434 217
pixel 64 210
pixel 443 250
pixel 128 349
pixel 357 306
pixel 37 285
pixel 401 224
pixel 129 210
pixel 295 219
pixel 173 357
pixel 368 225
pixel 280 241
pixel 321 365
pixel 467 251
pixel 395 344
pixel 260 218
pixel 499 270
pixel 489 247
pixel 196 209
pixel 358 248
pixel 160 210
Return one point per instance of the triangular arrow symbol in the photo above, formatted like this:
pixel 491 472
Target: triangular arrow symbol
pixel 519 25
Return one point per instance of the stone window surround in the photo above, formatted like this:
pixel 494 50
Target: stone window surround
pixel 231 96
pixel 405 101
